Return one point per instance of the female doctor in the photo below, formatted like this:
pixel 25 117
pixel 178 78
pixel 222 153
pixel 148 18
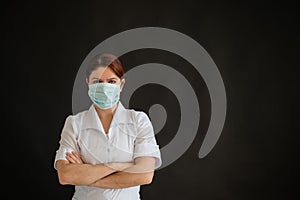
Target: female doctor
pixel 107 151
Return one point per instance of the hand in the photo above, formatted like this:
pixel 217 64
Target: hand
pixel 73 157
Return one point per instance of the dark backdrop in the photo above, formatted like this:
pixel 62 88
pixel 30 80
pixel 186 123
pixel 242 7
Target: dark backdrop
pixel 254 45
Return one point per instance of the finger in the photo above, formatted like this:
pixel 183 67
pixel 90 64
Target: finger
pixel 77 157
pixel 70 158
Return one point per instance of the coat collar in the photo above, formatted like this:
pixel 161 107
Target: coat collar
pixel 121 116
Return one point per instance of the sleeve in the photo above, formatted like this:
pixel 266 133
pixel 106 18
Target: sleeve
pixel 68 140
pixel 145 143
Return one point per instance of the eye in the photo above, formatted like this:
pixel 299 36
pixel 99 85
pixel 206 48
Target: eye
pixel 96 81
pixel 112 81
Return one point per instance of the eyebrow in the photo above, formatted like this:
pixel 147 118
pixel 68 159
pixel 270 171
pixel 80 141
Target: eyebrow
pixel 95 78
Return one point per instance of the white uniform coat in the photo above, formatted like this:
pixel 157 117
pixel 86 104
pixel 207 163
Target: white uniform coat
pixel 130 136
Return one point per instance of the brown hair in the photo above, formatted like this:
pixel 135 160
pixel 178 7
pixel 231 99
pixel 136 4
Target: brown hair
pixel 105 60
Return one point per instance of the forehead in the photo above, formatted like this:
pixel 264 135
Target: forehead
pixel 103 73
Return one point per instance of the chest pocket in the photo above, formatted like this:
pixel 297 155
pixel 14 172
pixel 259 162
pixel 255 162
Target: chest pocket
pixel 122 143
pixel 118 146
pixel 93 145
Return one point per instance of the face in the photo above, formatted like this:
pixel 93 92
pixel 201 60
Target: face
pixel 106 75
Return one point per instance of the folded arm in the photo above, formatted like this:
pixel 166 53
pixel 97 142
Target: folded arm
pixel 74 172
pixel 140 173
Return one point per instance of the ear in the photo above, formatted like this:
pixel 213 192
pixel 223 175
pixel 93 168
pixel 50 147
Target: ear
pixel 87 80
pixel 122 85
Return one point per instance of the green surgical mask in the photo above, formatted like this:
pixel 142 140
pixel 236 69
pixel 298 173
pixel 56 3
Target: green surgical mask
pixel 104 95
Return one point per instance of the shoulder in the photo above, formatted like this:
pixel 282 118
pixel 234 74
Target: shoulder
pixel 142 123
pixel 76 118
pixel 138 116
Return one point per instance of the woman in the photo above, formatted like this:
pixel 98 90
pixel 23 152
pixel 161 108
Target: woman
pixel 107 151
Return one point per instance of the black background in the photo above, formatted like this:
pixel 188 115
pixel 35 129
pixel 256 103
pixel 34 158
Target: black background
pixel 254 44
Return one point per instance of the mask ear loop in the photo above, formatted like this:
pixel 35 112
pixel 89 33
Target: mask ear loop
pixel 122 82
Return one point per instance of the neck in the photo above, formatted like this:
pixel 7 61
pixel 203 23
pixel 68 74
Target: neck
pixel 106 113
